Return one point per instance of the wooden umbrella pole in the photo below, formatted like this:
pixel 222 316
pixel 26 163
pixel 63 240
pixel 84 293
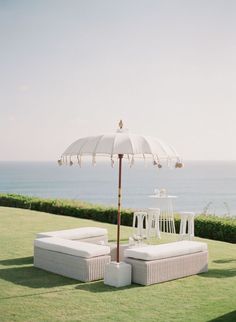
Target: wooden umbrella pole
pixel 120 156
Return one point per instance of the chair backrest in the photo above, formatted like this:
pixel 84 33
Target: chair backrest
pixel 154 211
pixel 140 224
pixel 140 213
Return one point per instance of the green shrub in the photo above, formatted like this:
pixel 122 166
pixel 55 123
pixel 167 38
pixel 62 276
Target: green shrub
pixel 211 227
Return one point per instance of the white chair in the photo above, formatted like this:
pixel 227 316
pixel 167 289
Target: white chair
pixel 186 225
pixel 153 221
pixel 140 224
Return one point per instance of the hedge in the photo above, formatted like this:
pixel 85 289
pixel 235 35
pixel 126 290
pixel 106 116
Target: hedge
pixel 67 208
pixel 212 227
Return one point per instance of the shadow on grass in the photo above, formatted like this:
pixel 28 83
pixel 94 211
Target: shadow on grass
pixel 36 294
pixel 33 277
pixel 17 261
pixel 229 317
pixel 95 287
pixel 100 287
pixel 36 278
pixel 219 273
pixel 223 261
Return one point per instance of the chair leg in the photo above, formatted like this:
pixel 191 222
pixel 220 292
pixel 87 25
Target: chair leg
pixel 182 231
pixel 134 224
pixel 191 227
pixel 158 227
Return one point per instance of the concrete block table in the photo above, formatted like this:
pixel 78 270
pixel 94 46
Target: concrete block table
pixel 117 274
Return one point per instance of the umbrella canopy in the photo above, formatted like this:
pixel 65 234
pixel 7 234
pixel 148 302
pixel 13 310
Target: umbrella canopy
pixel 120 144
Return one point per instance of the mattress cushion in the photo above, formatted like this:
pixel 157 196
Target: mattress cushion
pixel 75 234
pixel 154 252
pixel 71 247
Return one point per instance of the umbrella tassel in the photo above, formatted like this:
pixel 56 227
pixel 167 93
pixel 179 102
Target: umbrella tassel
pixel 145 161
pixel 59 162
pixel 112 161
pixel 132 161
pixel 94 160
pixel 79 160
pixel 156 161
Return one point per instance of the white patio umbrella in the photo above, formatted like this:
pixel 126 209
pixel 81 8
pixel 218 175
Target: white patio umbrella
pixel 121 144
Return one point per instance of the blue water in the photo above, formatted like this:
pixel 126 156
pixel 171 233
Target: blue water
pixel 196 185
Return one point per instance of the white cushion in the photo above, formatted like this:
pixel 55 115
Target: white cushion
pixel 77 233
pixel 72 247
pixel 154 252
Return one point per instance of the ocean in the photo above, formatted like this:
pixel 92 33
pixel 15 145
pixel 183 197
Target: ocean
pixel 201 186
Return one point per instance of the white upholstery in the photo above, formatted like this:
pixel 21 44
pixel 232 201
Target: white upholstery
pixel 75 234
pixel 153 222
pixel 186 218
pixel 71 247
pixel 139 218
pixel 175 249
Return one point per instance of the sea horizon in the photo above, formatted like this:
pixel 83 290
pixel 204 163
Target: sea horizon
pixel 201 186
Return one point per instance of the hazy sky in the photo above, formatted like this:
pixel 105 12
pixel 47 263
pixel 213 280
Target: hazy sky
pixel 74 68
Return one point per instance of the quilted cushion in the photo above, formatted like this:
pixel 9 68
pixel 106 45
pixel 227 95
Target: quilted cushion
pixel 71 247
pixel 154 252
pixel 75 234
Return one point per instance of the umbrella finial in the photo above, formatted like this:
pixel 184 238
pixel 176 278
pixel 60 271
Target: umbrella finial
pixel 121 124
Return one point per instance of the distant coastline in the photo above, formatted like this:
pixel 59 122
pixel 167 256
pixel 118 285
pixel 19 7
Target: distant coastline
pixel 201 185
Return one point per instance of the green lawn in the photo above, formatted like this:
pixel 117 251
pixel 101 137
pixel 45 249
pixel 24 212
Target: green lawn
pixel 30 294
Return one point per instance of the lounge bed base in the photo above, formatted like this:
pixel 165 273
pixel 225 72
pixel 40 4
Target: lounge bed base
pixel 79 268
pixel 157 271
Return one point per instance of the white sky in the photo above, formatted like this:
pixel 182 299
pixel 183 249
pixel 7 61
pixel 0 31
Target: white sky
pixel 73 68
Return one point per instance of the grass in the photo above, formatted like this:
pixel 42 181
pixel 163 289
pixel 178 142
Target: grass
pixel 31 294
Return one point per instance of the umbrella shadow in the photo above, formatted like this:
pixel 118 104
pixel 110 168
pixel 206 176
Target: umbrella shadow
pixel 231 316
pixel 17 261
pixel 219 273
pixel 37 278
pixel 100 287
pixel 33 277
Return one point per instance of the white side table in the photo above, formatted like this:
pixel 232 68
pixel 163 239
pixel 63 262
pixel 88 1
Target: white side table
pixel 165 204
pixel 118 274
